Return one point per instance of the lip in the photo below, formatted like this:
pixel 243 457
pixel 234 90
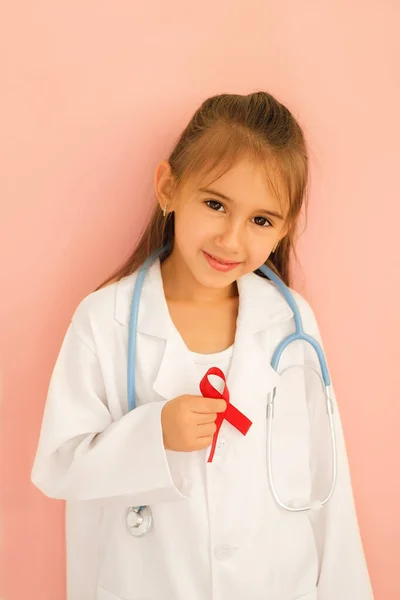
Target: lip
pixel 218 264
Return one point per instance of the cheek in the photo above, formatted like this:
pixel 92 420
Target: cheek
pixel 259 250
pixel 191 226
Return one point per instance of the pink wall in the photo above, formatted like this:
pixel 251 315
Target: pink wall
pixel 93 94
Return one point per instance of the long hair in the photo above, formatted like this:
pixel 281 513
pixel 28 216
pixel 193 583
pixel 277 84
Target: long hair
pixel 224 129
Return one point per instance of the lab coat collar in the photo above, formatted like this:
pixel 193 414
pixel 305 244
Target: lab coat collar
pixel 261 304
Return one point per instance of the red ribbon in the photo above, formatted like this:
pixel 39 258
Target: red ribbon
pixel 231 414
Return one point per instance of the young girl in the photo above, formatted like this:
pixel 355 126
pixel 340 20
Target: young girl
pixel 151 515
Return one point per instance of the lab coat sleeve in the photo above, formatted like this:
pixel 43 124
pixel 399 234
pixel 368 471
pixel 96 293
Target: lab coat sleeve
pixel 82 453
pixel 343 572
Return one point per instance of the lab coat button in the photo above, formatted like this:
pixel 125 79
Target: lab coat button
pixel 223 551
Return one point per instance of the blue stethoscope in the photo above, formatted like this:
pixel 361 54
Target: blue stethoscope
pixel 139 518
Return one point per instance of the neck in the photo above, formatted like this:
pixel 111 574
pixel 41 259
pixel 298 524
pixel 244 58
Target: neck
pixel 180 284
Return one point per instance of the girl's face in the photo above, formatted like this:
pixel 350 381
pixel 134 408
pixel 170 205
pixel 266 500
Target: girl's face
pixel 227 229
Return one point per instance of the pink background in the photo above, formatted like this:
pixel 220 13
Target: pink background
pixel 93 95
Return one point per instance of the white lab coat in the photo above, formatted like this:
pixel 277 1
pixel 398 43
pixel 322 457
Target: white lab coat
pixel 217 534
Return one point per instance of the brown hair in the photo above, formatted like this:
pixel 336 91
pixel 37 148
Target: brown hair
pixel 224 129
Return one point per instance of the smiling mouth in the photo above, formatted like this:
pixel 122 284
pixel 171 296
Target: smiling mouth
pixel 222 261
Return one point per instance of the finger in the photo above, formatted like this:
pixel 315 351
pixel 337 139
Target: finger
pixel 206 430
pixel 204 442
pixel 209 405
pixel 203 418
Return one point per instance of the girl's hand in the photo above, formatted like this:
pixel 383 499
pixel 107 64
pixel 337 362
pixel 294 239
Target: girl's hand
pixel 188 422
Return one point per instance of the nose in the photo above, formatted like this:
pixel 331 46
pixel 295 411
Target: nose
pixel 231 237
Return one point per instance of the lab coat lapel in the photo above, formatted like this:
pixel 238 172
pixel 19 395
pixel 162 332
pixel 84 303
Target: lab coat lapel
pixel 175 372
pixel 261 309
pixel 175 375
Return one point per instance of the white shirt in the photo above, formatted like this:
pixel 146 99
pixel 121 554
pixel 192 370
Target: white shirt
pixel 203 362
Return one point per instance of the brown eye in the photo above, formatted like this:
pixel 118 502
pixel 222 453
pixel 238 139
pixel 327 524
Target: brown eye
pixel 262 222
pixel 214 204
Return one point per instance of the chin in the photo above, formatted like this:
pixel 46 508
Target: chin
pixel 220 284
pixel 217 281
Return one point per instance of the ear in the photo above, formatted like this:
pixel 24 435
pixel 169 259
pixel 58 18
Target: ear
pixel 164 184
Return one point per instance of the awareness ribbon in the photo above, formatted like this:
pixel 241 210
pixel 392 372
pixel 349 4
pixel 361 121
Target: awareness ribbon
pixel 231 414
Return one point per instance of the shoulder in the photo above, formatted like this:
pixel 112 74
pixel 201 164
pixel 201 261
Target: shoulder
pixel 265 291
pixel 264 303
pixel 277 297
pixel 307 313
pixel 101 310
pixel 304 305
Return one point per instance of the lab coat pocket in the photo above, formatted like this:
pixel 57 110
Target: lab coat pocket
pixel 290 438
pixel 184 469
pixel 121 562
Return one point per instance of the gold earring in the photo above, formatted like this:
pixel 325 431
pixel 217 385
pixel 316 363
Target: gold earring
pixel 276 245
pixel 164 210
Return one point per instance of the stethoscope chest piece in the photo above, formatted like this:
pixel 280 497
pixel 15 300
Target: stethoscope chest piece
pixel 139 520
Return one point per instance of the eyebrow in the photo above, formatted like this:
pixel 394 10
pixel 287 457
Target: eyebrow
pixel 220 195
